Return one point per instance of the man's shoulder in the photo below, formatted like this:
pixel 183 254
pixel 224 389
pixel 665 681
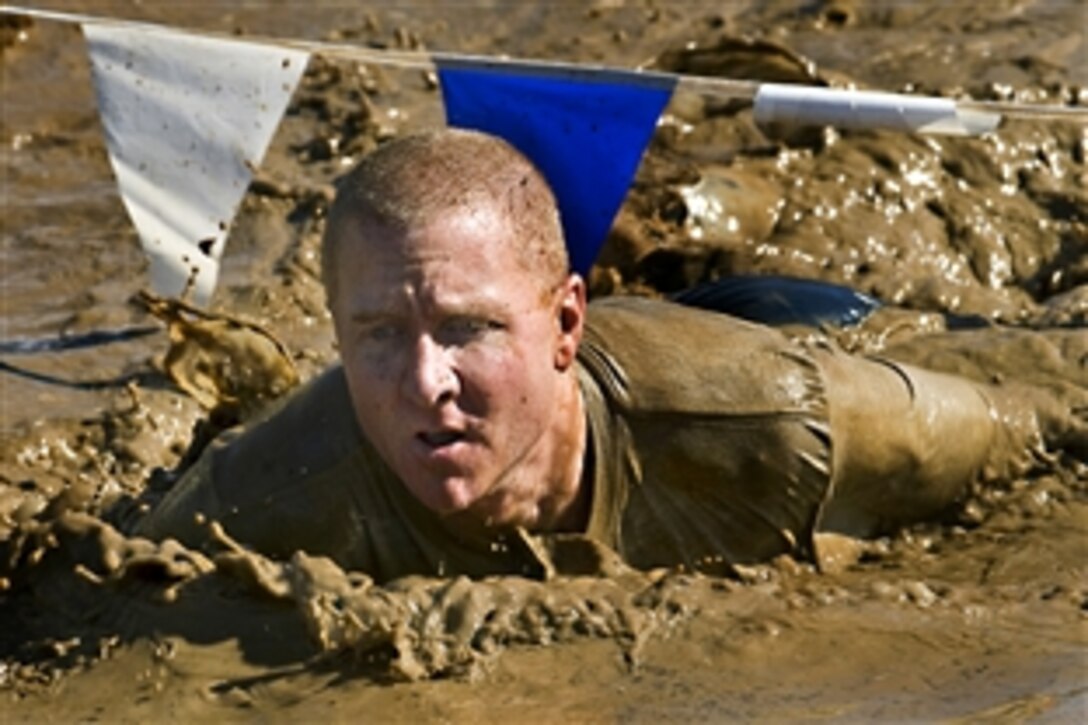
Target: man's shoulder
pixel 295 478
pixel 312 430
pixel 654 354
pixel 654 330
pixel 654 315
pixel 308 437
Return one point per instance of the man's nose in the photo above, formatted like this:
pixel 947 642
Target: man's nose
pixel 431 377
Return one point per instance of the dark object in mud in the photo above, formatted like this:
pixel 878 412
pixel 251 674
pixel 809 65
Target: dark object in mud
pixel 776 300
pixel 120 381
pixel 29 346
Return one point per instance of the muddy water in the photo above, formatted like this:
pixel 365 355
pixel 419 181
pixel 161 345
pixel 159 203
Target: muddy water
pixel 982 616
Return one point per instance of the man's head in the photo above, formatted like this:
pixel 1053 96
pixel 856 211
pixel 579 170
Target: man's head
pixel 458 323
pixel 417 178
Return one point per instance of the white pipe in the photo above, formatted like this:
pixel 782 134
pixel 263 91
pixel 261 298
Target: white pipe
pixel 869 109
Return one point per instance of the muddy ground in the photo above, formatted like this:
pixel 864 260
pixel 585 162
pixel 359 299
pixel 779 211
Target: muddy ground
pixel 981 616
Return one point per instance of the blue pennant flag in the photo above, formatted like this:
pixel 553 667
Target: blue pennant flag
pixel 585 132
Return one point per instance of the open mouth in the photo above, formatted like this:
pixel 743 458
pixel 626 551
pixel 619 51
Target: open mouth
pixel 440 439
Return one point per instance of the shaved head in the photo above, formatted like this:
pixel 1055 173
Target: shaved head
pixel 415 180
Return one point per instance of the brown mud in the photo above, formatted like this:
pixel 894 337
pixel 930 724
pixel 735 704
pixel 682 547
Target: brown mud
pixel 981 616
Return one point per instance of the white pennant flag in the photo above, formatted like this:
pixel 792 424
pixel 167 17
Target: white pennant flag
pixel 187 118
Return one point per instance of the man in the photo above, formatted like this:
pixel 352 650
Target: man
pixel 483 408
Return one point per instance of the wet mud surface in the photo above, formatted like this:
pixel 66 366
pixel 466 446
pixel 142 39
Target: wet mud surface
pixel 983 615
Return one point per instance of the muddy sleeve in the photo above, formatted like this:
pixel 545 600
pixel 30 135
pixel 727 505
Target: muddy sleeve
pixel 182 513
pixel 276 457
pixel 908 442
pixel 299 477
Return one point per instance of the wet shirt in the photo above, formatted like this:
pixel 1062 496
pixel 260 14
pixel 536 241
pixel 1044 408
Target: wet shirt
pixel 708 447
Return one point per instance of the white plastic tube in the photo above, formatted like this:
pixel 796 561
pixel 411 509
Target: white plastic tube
pixel 805 105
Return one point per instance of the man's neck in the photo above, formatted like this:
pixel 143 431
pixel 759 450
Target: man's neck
pixel 546 488
pixel 573 491
pixel 551 485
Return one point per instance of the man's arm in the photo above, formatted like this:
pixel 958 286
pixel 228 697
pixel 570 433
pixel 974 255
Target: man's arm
pixel 182 513
pixel 908 442
pixel 279 483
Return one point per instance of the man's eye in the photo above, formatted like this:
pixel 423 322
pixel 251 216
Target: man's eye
pixel 463 328
pixel 380 332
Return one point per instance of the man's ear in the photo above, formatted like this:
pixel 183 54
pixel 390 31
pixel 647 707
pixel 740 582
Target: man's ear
pixel 572 319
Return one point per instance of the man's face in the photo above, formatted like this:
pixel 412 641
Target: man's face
pixel 453 353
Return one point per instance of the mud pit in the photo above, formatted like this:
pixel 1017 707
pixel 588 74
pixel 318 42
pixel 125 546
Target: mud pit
pixel 984 615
